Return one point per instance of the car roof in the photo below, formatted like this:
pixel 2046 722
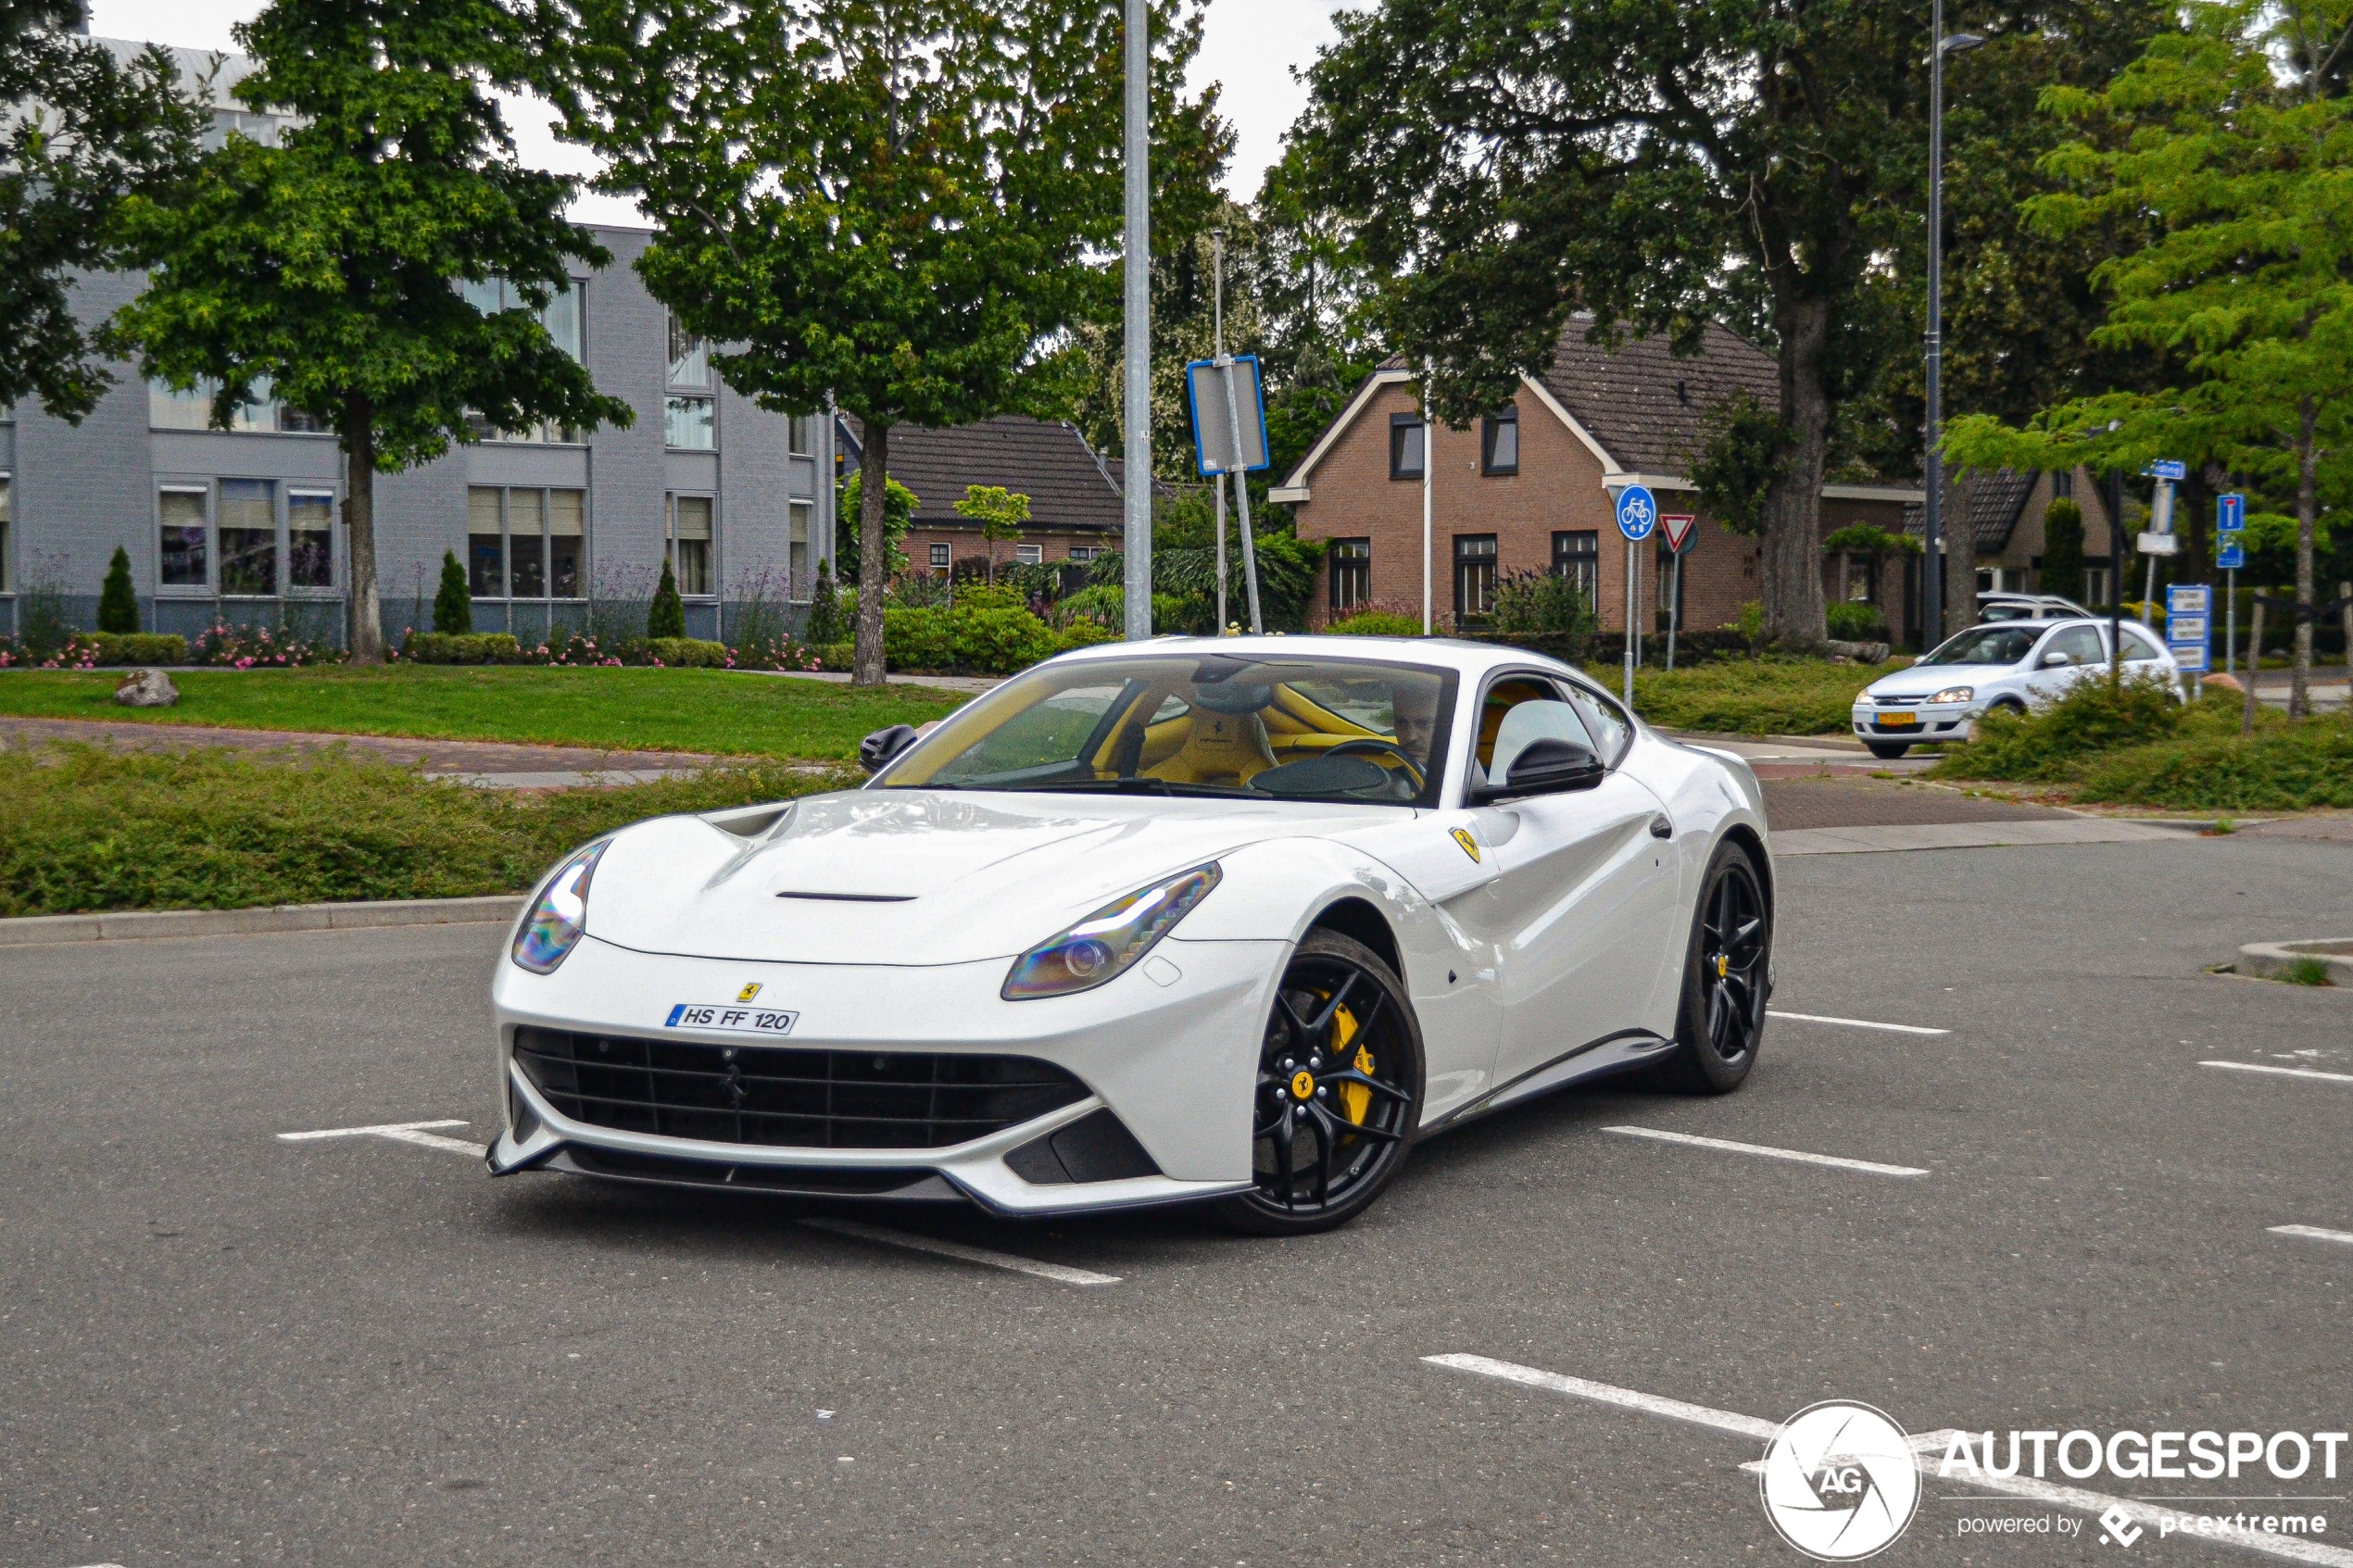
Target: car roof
pixel 1442 653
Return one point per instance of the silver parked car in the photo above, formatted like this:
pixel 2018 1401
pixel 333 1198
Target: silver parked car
pixel 2012 664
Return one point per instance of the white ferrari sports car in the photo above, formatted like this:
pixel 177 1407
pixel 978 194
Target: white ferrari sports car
pixel 1234 920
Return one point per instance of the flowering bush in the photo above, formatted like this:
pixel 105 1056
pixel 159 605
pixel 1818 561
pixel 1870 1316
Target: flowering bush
pixel 254 647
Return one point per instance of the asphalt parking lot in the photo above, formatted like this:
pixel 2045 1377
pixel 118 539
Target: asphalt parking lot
pixel 219 1346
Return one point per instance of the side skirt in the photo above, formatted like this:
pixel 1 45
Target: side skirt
pixel 1611 1053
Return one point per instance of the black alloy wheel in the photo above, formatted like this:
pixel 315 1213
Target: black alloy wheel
pixel 1338 1091
pixel 1727 978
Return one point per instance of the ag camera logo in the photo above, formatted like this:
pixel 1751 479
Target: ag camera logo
pixel 1840 1481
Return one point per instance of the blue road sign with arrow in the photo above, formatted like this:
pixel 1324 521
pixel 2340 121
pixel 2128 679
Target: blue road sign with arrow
pixel 2232 556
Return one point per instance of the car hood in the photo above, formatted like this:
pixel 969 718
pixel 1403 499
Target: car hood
pixel 1921 680
pixel 915 877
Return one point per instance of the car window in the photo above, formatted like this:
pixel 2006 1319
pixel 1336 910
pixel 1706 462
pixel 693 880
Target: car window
pixel 2003 644
pixel 2139 644
pixel 1505 693
pixel 2079 644
pixel 1529 722
pixel 1604 720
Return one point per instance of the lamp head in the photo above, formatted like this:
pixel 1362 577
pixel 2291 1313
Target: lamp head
pixel 1961 43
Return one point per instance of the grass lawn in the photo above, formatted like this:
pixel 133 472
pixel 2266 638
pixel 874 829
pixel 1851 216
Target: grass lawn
pixel 728 713
pixel 1755 696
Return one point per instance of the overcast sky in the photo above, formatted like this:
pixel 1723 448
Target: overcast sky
pixel 1251 45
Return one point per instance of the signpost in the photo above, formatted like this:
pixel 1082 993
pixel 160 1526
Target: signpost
pixel 2158 540
pixel 1229 437
pixel 1637 515
pixel 2230 523
pixel 1680 531
pixel 2188 628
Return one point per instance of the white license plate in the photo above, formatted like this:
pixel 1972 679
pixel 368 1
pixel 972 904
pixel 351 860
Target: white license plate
pixel 728 1015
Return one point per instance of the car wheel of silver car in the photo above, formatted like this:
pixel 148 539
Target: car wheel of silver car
pixel 1726 979
pixel 1338 1091
pixel 1887 751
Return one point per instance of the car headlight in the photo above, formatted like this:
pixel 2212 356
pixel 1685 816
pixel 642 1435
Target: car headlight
pixel 1863 698
pixel 1955 694
pixel 1109 942
pixel 560 915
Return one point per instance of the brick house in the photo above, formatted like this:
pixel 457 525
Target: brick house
pixel 1075 503
pixel 1529 487
pixel 2003 509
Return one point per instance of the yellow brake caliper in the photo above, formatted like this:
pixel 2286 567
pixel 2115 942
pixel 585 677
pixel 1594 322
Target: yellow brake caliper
pixel 1355 1098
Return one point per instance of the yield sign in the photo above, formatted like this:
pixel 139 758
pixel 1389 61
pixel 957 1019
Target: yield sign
pixel 1678 531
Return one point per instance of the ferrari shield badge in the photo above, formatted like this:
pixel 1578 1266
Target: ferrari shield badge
pixel 1470 845
pixel 748 992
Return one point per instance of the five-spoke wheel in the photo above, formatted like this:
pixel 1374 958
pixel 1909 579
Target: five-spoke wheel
pixel 1727 976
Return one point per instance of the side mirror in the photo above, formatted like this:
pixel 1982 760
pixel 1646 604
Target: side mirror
pixel 1546 766
pixel 2052 661
pixel 877 750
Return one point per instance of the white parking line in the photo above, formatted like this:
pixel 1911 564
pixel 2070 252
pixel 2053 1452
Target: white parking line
pixel 399 1132
pixel 1928 1447
pixel 1767 1151
pixel 2282 1071
pixel 2314 1233
pixel 958 1249
pixel 1855 1022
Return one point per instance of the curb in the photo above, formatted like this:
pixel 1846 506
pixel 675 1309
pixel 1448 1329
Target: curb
pixel 46 930
pixel 2267 960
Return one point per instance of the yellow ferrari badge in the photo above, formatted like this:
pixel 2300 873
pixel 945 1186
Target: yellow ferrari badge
pixel 1470 845
pixel 748 992
pixel 1302 1084
pixel 1723 965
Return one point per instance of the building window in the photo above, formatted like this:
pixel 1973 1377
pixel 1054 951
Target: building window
pixel 527 544
pixel 1858 579
pixel 184 562
pixel 1351 568
pixel 4 517
pixel 800 436
pixel 261 128
pixel 690 543
pixel 192 410
pixel 1028 555
pixel 940 557
pixel 1084 552
pixel 689 357
pixel 1404 446
pixel 1994 579
pixel 2096 586
pixel 2063 485
pixel 685 424
pixel 1474 575
pixel 566 544
pixel 248 538
pixel 565 317
pixel 311 539
pixel 485 544
pixel 1668 593
pixel 1577 555
pixel 1499 441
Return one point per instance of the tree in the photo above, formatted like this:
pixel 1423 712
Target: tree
pixel 2063 549
pixel 889 205
pixel 1002 514
pixel 79 131
pixel 118 601
pixel 899 515
pixel 666 617
pixel 2229 137
pixel 330 265
pixel 1508 162
pixel 453 604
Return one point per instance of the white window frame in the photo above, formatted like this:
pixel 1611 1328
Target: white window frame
pixel 669 542
pixel 1029 555
pixel 203 489
pixel 288 491
pixel 278 533
pixel 9 532
pixel 546 494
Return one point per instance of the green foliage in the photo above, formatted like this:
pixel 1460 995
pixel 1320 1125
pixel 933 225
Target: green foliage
pixel 666 617
pixel 2048 744
pixel 899 515
pixel 1861 538
pixel 1744 451
pixel 2063 549
pixel 687 653
pixel 118 648
pixel 990 639
pixel 1852 622
pixel 79 131
pixel 824 611
pixel 83 829
pixel 1749 622
pixel 1376 624
pixel 2305 970
pixel 1002 514
pixel 1105 604
pixel 461 647
pixel 1541 603
pixel 453 604
pixel 1772 695
pixel 118 601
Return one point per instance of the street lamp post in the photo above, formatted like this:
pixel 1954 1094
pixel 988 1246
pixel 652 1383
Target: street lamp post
pixel 1136 402
pixel 1931 541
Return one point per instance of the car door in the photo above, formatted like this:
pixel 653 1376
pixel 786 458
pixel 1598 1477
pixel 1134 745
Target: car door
pixel 1582 909
pixel 2078 646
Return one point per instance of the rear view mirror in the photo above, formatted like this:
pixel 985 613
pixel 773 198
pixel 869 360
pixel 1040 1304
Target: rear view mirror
pixel 2054 659
pixel 877 750
pixel 1547 766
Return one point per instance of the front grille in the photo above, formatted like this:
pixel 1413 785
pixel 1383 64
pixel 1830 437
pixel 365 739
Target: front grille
pixel 805 1181
pixel 787 1098
pixel 1900 701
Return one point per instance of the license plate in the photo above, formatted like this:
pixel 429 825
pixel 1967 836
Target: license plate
pixel 1897 721
pixel 727 1015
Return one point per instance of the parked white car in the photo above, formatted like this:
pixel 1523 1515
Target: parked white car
pixel 2013 664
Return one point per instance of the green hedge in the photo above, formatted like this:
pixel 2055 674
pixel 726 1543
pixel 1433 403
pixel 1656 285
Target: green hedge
pixel 461 647
pixel 987 642
pixel 142 647
pixel 688 653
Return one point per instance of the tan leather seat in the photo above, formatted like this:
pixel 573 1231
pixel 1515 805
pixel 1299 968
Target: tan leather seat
pixel 1220 748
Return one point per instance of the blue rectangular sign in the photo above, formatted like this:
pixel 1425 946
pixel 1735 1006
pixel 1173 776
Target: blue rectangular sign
pixel 2185 630
pixel 2193 660
pixel 2232 556
pixel 2168 468
pixel 2187 598
pixel 2230 514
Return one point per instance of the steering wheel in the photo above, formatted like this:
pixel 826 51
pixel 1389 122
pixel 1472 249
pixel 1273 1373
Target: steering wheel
pixel 1413 770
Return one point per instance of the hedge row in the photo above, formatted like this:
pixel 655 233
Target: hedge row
pixel 501 648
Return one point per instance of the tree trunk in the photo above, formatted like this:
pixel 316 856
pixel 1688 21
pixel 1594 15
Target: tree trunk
pixel 2308 475
pixel 359 529
pixel 1960 555
pixel 873 553
pixel 1790 574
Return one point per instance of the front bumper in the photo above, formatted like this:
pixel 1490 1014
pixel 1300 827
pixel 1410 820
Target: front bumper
pixel 1169 1048
pixel 1927 721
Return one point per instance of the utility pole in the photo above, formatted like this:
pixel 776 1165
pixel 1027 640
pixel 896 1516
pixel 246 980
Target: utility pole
pixel 1136 466
pixel 1932 563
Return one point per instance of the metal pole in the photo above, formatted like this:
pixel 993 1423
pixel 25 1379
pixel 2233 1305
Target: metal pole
pixel 1674 610
pixel 1632 566
pixel 2254 668
pixel 1241 492
pixel 2116 579
pixel 1427 624
pixel 1137 468
pixel 1218 485
pixel 1218 239
pixel 2148 593
pixel 1931 528
pixel 2231 624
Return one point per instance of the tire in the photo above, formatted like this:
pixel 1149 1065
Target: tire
pixel 1887 751
pixel 1727 970
pixel 1322 1157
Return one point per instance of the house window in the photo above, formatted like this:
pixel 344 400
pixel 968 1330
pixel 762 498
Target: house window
pixel 2063 485
pixel 1577 555
pixel 566 544
pixel 690 543
pixel 1028 555
pixel 689 357
pixel 527 544
pixel 685 424
pixel 1499 441
pixel 2095 585
pixel 1669 593
pixel 485 544
pixel 1084 552
pixel 1474 575
pixel 1404 446
pixel 1993 579
pixel 4 516
pixel 184 561
pixel 260 128
pixel 563 317
pixel 1351 567
pixel 940 557
pixel 800 436
pixel 800 519
pixel 1858 579
pixel 311 539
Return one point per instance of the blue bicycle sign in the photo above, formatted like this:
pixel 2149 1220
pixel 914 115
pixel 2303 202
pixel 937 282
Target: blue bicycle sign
pixel 1637 512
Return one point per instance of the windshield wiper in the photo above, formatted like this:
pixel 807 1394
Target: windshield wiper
pixel 1141 786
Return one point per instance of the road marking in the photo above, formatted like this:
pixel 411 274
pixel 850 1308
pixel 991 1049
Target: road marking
pixel 399 1132
pixel 1769 1152
pixel 2282 1071
pixel 1855 1022
pixel 1928 1450
pixel 2314 1233
pixel 958 1249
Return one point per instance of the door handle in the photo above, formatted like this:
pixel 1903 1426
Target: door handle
pixel 1661 827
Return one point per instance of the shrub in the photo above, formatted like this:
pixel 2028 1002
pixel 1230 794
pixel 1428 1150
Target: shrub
pixel 472 647
pixel 688 653
pixel 1082 633
pixel 118 602
pixel 1852 622
pixel 2305 970
pixel 2046 745
pixel 1376 624
pixel 824 612
pixel 1000 641
pixel 1542 604
pixel 666 617
pixel 453 607
pixel 2063 548
pixel 2284 765
pixel 142 647
pixel 249 647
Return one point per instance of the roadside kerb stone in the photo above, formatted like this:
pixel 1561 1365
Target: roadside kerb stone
pixel 135 925
pixel 2267 959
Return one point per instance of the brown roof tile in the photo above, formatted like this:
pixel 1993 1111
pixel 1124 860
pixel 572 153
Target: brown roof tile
pixel 1992 503
pixel 1049 463
pixel 1645 405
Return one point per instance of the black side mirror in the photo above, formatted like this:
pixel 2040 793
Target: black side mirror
pixel 1547 766
pixel 876 751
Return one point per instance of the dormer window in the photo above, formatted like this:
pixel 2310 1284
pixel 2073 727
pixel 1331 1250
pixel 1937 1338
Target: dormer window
pixel 1499 441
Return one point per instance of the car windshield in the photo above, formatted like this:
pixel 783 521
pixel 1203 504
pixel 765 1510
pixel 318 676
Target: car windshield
pixel 1989 645
pixel 1360 731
